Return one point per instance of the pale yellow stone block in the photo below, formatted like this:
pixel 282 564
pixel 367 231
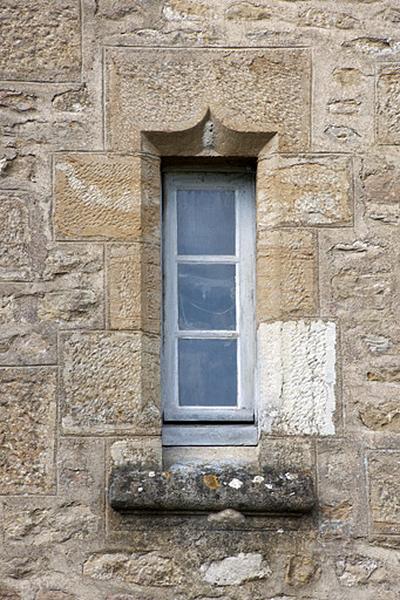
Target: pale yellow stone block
pixel 286 268
pixel 304 190
pixel 134 287
pixel 103 196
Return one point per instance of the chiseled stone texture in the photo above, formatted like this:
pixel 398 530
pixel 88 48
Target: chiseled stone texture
pixel 305 190
pixel 380 184
pixel 286 274
pixel 102 196
pixel 110 383
pixel 21 237
pixel 146 569
pixel 68 295
pixel 134 284
pixel 137 451
pixel 171 90
pixel 342 507
pixel 43 522
pixel 384 490
pixel 296 377
pixel 388 87
pixel 41 41
pixel 27 426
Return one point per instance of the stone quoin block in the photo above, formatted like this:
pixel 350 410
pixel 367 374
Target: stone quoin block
pixel 304 190
pixel 296 377
pixel 170 90
pixel 134 287
pixel 27 424
pixel 106 196
pixel 286 265
pixel 40 42
pixel 110 383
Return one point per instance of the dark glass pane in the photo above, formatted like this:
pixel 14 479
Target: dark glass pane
pixel 206 222
pixel 207 372
pixel 206 296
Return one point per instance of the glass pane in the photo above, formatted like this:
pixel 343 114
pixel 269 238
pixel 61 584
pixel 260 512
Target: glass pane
pixel 207 372
pixel 206 296
pixel 206 221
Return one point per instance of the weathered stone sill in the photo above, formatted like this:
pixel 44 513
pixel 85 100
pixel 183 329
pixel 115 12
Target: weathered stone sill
pixel 205 488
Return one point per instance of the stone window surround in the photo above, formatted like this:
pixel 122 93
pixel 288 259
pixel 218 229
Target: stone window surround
pixel 286 256
pixel 193 487
pixel 155 147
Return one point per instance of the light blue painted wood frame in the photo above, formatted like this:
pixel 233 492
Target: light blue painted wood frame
pixel 235 421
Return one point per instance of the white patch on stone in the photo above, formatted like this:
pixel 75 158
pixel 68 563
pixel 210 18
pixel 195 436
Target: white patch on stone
pixel 236 484
pixel 90 194
pixel 152 474
pixel 234 570
pixel 258 479
pixel 296 377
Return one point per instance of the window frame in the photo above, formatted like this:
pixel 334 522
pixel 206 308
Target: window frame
pixel 210 425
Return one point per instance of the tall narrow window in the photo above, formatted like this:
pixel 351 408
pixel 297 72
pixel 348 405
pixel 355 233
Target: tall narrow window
pixel 208 330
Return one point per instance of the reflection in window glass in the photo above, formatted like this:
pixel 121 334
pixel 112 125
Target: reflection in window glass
pixel 206 296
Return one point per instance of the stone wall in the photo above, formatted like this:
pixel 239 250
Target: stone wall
pixel 92 96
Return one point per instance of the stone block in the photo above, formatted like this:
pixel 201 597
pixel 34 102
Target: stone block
pixel 72 295
pixel 383 469
pixel 69 295
pixel 27 423
pixel 377 407
pixel 357 569
pixel 146 569
pixel 236 570
pixel 302 570
pixel 340 489
pixel 388 117
pixel 110 383
pixel 24 339
pixel 304 190
pixel 21 237
pixel 106 196
pixel 81 470
pixel 7 593
pixel 138 452
pixel 286 453
pixel 42 522
pixel 296 377
pixel 286 273
pixel 170 90
pixel 134 287
pixel 41 41
pixel 357 276
pixel 380 184
pixel 343 99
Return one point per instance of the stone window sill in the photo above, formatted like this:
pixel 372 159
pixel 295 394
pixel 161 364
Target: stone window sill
pixel 194 489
